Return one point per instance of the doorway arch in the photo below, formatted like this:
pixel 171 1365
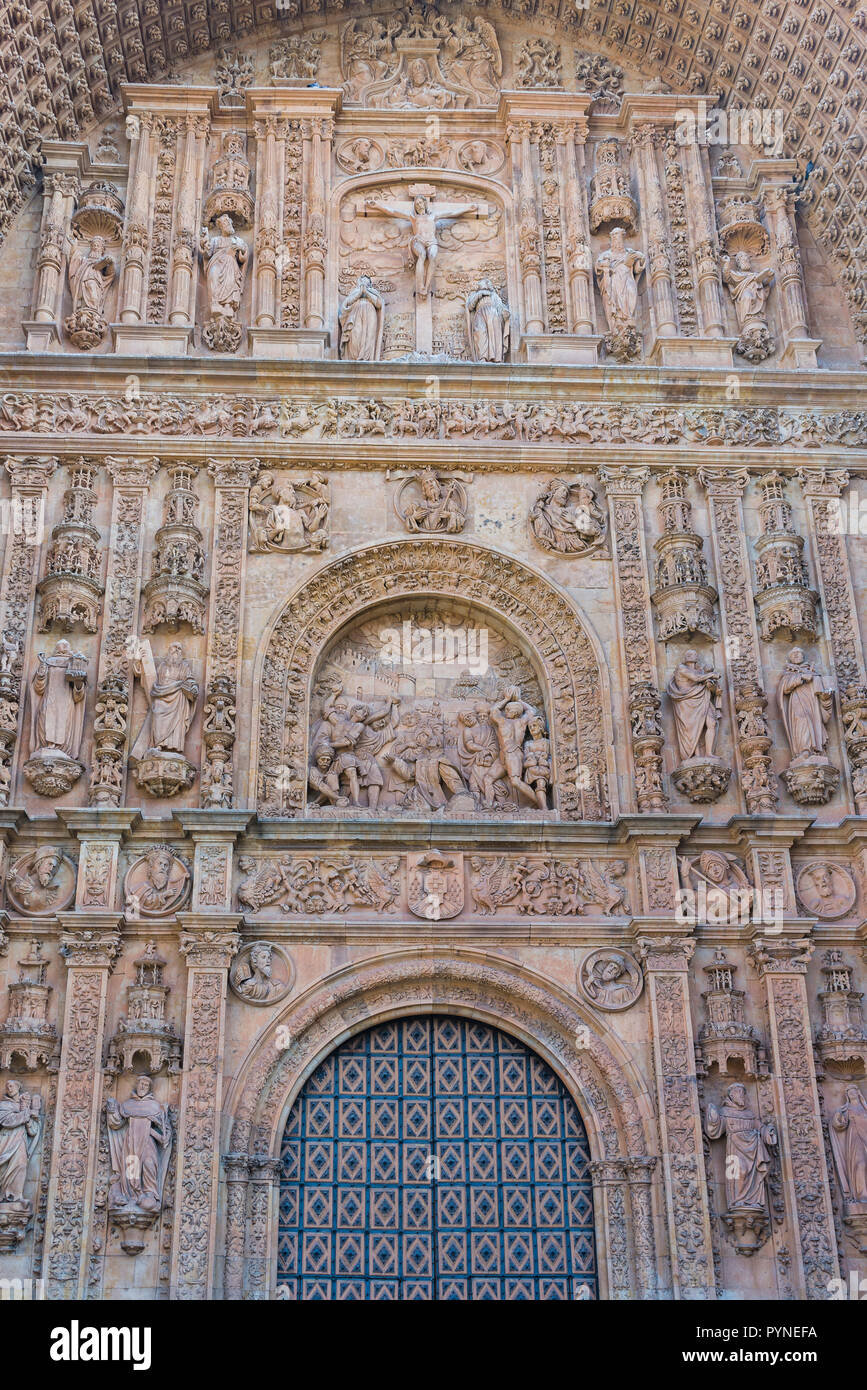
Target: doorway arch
pixel 435 1157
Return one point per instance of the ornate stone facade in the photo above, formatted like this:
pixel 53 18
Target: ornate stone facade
pixel 423 453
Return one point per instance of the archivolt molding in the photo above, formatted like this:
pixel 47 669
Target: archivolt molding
pixel 572 1039
pixel 570 657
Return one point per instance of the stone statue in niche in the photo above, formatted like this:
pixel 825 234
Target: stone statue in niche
pixel 749 291
pixel 611 980
pixel 848 1133
pixel 695 691
pixel 156 884
pixel 58 688
pixel 429 723
pixel 424 223
pixel 289 514
pixel 748 1163
pixel 41 883
pixel 261 973
pixel 20 1128
pixel 361 322
pixel 91 271
pixel 488 329
pixel 140 1144
pixel 441 509
pixel 225 260
pixel 158 757
pixel 617 271
pixel 564 526
pixel 805 706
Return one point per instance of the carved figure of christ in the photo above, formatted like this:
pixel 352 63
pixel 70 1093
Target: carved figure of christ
pixel 424 224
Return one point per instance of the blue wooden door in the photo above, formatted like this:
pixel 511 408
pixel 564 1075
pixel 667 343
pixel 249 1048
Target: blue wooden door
pixel 435 1158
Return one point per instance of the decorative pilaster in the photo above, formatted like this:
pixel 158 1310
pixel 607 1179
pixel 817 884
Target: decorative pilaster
pixel 624 487
pixel 131 478
pixel 610 1207
pixel 61 191
pixel 725 489
pixel 666 964
pixel 260 1229
pixel 208 941
pixel 319 133
pixel 136 232
pixel 529 241
pixel 571 140
pixel 822 489
pixel 799 349
pixel 183 273
pixel 703 237
pixel 645 142
pixel 639 1173
pixel 782 964
pixel 270 136
pixel 90 943
pixel 232 479
pixel 30 478
pixel 237 1180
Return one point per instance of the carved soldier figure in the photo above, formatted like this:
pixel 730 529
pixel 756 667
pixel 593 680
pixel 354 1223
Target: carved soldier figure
pixel 140 1142
pixel 748 1141
pixel 361 322
pixel 488 328
pixel 20 1123
pixel 511 717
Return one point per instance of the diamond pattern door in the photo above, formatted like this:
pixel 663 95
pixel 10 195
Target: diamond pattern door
pixel 435 1158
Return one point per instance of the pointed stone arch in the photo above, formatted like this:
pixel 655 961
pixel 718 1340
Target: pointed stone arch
pixel 588 1058
pixel 568 653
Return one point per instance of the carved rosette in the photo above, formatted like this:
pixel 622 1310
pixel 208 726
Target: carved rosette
pixel 683 600
pixel 785 602
pixel 70 589
pixel 175 594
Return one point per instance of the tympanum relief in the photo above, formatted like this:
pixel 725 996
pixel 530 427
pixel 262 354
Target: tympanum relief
pixel 428 711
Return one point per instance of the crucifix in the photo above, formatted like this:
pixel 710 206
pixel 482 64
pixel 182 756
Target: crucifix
pixel 424 223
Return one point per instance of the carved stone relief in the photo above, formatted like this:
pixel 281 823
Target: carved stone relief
pixel 28 1036
pixel 144 1034
pixel 140 1141
pixel 20 1129
pixel 749 1142
pixel 826 890
pixel 57 692
pixel 806 706
pixel 158 756
pixel 617 271
pixel 435 885
pixel 611 980
pixel 695 692
pixel 539 63
pixel 261 973
pixel 420 58
pixel 566 518
pixel 289 512
pixel 156 884
pixel 548 887
pixel 432 503
pixel 41 883
pixel 318 884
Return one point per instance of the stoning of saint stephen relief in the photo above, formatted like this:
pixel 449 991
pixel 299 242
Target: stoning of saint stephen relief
pixel 433 705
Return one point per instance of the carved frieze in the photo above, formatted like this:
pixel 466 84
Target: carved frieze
pixel 319 884
pixel 544 886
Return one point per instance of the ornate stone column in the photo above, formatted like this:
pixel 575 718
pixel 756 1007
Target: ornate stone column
pixel 132 290
pixel 232 479
pixel 610 1207
pixel 666 954
pixel 702 225
pixel 90 943
pixel 529 242
pixel 261 1226
pixel 799 348
pixel 43 330
pixel 645 141
pixel 270 135
pixel 782 964
pixel 639 1173
pixel 131 478
pixel 571 140
pixel 823 488
pixel 209 940
pixel 624 487
pixel 183 277
pixel 237 1179
pixel 725 489
pixel 30 477
pixel 318 136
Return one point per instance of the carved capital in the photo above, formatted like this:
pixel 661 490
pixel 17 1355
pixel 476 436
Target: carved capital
pixel 665 953
pixel 233 472
pixel 724 482
pixel 31 471
pixel 90 947
pixel 776 955
pixel 210 948
pixel 823 482
pixel 623 480
pixel 132 472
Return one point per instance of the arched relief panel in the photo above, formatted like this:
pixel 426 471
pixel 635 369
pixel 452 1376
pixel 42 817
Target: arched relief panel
pixel 472 246
pixel 552 636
